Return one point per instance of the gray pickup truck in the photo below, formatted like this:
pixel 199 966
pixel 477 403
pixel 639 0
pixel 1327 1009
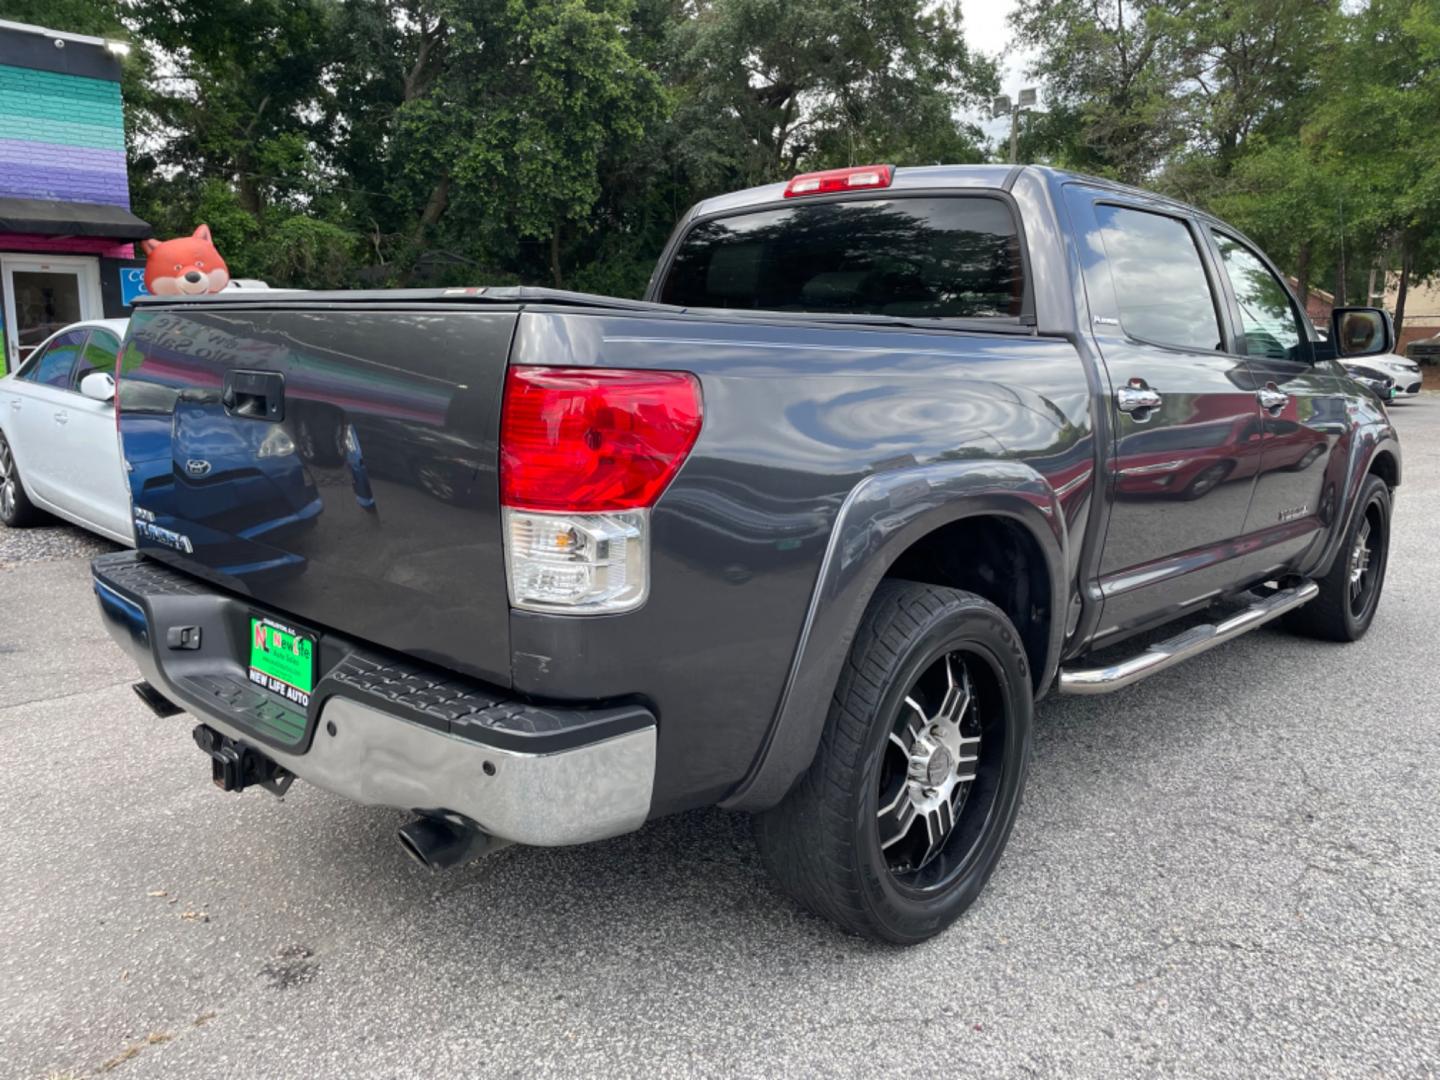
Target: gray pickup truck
pixel 885 456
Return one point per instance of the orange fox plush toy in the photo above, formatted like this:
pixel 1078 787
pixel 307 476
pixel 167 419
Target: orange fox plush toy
pixel 185 266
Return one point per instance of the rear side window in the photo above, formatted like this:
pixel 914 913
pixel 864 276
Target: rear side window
pixel 1160 283
pixel 57 361
pixel 98 355
pixel 945 257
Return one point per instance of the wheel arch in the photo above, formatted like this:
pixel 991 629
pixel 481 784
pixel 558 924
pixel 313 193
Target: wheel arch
pixel 1386 465
pixel 889 523
pixel 1375 452
pixel 997 557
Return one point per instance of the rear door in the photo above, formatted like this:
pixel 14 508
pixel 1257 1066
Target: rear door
pixel 44 417
pixel 1187 428
pixel 1302 402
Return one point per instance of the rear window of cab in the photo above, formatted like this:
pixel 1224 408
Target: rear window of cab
pixel 918 257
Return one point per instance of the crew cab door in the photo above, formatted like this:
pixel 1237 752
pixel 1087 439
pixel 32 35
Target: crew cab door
pixel 1302 402
pixel 1187 428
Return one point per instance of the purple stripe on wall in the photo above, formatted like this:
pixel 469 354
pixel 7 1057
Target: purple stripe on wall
pixel 75 157
pixel 71 185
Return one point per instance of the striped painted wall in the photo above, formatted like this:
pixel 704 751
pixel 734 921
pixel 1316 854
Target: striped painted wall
pixel 61 137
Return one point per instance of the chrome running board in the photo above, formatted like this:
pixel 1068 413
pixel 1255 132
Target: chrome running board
pixel 1192 642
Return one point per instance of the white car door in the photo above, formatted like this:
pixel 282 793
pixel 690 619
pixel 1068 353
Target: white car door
pixel 40 416
pixel 94 478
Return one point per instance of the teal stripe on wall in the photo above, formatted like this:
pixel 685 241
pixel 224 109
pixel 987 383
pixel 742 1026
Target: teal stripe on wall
pixel 103 136
pixel 45 106
pixel 60 107
pixel 50 82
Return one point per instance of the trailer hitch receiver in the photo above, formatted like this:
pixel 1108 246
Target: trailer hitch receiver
pixel 235 766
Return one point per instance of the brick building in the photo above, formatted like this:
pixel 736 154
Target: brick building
pixel 1318 304
pixel 66 231
pixel 1422 311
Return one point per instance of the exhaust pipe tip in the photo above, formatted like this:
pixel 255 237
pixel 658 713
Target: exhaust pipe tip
pixel 413 845
pixel 438 843
pixel 157 702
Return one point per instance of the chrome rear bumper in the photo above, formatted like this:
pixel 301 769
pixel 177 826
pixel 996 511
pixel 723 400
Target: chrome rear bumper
pixel 385 730
pixel 571 796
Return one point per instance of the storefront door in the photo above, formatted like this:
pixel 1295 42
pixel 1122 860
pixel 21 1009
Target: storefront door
pixel 42 294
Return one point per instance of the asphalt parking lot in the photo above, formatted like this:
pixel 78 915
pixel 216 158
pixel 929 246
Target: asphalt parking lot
pixel 1231 869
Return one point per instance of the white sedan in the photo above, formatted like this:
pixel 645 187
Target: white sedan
pixel 58 449
pixel 1406 373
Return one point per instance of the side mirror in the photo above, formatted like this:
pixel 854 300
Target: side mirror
pixel 99 385
pixel 1361 331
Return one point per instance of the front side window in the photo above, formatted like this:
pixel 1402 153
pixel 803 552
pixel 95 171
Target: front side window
pixel 57 361
pixel 1267 317
pixel 944 257
pixel 98 355
pixel 1160 284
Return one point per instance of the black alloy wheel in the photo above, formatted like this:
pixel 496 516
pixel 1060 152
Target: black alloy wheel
pixel 903 813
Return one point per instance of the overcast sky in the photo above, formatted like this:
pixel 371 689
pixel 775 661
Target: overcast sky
pixel 986 31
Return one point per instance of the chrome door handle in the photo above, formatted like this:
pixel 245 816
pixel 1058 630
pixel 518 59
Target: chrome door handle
pixel 1129 399
pixel 62 418
pixel 1272 397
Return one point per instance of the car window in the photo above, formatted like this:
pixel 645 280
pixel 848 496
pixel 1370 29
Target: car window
pixel 55 364
pixel 1268 322
pixel 943 257
pixel 1160 284
pixel 98 355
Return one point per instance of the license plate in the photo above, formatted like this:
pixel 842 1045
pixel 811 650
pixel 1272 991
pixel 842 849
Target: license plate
pixel 282 660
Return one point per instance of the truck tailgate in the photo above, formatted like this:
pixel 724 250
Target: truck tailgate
pixel 336 461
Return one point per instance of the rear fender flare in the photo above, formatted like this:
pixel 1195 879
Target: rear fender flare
pixel 882 517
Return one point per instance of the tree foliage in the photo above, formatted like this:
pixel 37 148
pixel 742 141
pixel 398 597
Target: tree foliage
pixel 349 142
pixel 434 141
pixel 1313 125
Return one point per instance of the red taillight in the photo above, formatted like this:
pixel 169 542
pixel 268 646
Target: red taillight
pixel 833 180
pixel 594 439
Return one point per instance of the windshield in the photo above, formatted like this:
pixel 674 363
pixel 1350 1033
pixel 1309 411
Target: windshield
pixel 944 257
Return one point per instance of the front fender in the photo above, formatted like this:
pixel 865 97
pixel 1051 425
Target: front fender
pixel 880 519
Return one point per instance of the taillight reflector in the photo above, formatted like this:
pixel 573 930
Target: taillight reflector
pixel 833 180
pixel 594 439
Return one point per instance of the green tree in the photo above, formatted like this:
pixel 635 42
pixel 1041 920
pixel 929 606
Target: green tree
pixel 485 128
pixel 230 130
pixel 769 87
pixel 1111 78
pixel 1135 88
pixel 1378 121
pixel 238 94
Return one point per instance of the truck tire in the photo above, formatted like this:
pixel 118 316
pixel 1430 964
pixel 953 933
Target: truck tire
pixel 1350 592
pixel 16 509
pixel 901 817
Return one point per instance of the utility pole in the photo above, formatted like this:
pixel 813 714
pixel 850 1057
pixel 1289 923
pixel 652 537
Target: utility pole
pixel 1001 106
